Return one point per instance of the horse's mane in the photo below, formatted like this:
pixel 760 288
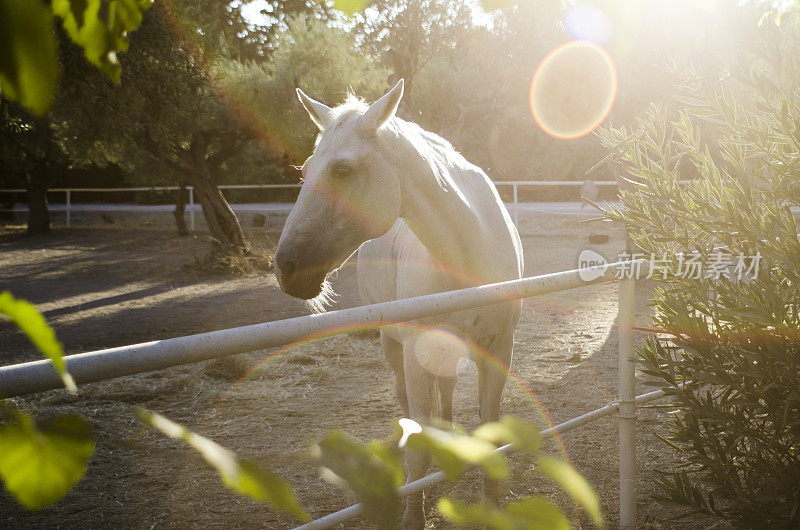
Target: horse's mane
pixel 437 152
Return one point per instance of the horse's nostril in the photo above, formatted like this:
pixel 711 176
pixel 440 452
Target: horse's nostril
pixel 288 267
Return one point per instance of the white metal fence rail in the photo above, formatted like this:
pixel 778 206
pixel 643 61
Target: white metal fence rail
pixel 513 184
pixel 191 209
pixel 39 376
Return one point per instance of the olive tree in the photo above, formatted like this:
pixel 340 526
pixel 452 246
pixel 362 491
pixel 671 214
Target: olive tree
pixel 167 112
pixel 309 54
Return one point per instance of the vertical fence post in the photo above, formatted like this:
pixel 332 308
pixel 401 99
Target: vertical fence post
pixel 516 206
pixel 191 208
pixel 69 207
pixel 627 403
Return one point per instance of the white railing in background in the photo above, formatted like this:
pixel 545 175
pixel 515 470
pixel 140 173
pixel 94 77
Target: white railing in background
pixel 40 376
pixel 69 191
pixel 515 185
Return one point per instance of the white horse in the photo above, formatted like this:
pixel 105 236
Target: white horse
pixel 424 220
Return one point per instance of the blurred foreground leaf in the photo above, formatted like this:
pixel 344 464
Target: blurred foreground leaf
pixel 33 324
pixel 101 28
pixel 573 483
pixel 244 477
pixel 29 69
pixel 529 513
pixel 522 435
pixel 453 451
pixel 372 471
pixel 39 466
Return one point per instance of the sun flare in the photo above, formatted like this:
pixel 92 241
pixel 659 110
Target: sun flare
pixel 573 89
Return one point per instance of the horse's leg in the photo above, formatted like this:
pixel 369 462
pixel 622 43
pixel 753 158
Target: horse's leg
pixel 393 350
pixel 421 396
pixel 492 374
pixel 446 387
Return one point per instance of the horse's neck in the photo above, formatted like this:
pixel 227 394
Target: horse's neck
pixel 463 225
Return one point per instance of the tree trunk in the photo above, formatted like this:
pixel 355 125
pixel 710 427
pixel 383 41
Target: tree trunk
pixel 222 222
pixel 38 213
pixel 7 209
pixel 197 168
pixel 180 208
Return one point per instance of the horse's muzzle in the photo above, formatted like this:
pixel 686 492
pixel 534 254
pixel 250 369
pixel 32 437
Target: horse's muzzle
pixel 296 277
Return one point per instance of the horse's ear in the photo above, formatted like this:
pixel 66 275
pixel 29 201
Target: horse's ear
pixel 384 109
pixel 319 112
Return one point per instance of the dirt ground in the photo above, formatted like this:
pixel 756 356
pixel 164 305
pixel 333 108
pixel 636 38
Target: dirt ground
pixel 111 286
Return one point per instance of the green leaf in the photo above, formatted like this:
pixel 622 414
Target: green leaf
pixel 242 476
pixel 265 486
pixel 350 7
pixel 101 28
pixel 573 483
pixel 527 513
pixel 537 512
pixel 522 435
pixel 78 8
pixel 473 514
pixel 372 471
pixel 453 451
pixel 32 323
pixel 29 67
pixel 39 467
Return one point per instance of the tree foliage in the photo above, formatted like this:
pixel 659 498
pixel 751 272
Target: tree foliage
pixel 467 77
pixel 168 117
pixel 309 54
pixel 29 68
pixel 101 28
pixel 405 36
pixel 734 340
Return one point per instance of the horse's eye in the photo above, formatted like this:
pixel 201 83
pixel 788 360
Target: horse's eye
pixel 341 170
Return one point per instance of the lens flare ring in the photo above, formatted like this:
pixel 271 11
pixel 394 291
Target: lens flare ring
pixel 573 90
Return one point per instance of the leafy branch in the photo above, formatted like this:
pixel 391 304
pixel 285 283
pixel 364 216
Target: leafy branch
pixel 29 67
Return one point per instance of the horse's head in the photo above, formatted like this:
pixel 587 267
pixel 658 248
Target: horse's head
pixel 350 193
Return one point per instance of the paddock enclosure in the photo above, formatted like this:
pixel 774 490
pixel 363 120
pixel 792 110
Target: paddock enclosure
pixel 111 287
